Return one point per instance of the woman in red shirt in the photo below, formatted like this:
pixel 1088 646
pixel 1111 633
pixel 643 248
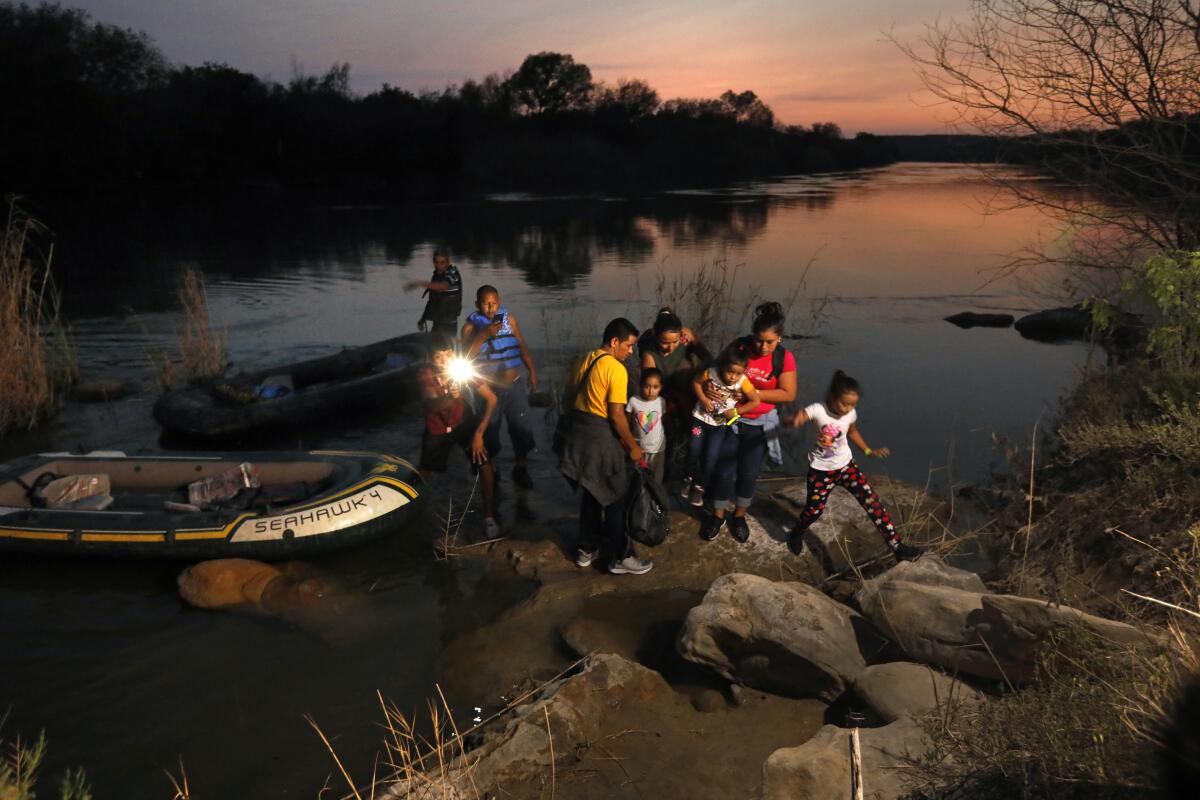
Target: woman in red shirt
pixel 772 371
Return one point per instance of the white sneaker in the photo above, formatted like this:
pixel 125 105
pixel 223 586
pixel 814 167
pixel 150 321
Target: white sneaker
pixel 491 528
pixel 631 565
pixel 584 558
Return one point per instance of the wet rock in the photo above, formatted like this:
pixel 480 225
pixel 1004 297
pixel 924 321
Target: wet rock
pixel 587 636
pixel 819 769
pixel 902 689
pixel 971 319
pixel 787 638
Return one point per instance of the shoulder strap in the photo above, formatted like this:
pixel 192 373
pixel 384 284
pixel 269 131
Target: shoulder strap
pixel 778 359
pixel 588 371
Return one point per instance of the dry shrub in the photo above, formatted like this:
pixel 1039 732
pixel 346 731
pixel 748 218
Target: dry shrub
pixel 714 303
pixel 201 349
pixel 1091 727
pixel 20 762
pixel 36 357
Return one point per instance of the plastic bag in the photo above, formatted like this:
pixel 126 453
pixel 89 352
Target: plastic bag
pixel 223 486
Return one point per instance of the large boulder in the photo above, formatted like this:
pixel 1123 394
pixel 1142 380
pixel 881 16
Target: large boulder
pixel 819 769
pixel 1016 627
pixel 933 571
pixel 784 637
pixel 902 689
pixel 971 632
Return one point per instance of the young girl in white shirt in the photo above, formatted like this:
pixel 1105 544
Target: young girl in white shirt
pixel 832 464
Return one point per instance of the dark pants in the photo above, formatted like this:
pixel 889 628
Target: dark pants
pixel 854 480
pixel 705 449
pixel 449 327
pixel 512 405
pixel 603 526
pixel 738 467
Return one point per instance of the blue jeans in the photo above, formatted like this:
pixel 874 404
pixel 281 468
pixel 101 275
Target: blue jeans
pixel 705 446
pixel 738 466
pixel 512 404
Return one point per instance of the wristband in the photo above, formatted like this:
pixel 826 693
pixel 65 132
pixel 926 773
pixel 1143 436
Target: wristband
pixel 868 451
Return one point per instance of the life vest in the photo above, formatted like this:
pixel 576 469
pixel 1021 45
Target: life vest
pixel 499 352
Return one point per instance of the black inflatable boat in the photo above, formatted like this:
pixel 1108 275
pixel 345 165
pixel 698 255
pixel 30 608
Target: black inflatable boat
pixel 292 395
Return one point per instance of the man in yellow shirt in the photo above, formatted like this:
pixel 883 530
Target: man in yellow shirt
pixel 600 450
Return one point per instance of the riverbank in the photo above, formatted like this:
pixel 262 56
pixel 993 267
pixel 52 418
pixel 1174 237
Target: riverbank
pixel 732 670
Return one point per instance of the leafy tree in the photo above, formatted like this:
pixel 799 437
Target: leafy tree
pixel 551 82
pixel 630 99
pixel 746 108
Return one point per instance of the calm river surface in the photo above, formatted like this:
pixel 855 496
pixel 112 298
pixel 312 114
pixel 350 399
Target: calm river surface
pixel 126 681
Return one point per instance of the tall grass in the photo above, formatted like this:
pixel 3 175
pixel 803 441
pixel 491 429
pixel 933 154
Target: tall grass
pixel 37 359
pixel 202 354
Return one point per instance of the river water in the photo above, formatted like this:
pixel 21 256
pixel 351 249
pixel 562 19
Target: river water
pixel 126 681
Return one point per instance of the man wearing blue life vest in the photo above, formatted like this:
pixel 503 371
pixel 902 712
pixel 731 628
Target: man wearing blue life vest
pixel 493 339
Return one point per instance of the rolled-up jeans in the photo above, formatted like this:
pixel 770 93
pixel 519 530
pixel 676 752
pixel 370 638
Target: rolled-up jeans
pixel 738 467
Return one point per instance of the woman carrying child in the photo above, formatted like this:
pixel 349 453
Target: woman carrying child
pixel 832 464
pixel 715 422
pixel 771 370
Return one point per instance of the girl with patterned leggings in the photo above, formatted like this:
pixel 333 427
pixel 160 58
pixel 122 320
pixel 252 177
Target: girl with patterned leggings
pixel 832 464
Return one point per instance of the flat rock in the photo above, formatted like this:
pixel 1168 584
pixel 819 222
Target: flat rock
pixel 903 689
pixel 784 637
pixel 819 769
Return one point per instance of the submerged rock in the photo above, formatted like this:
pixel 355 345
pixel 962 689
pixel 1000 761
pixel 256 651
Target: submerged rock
pixel 972 319
pixel 902 689
pixel 787 638
pixel 1056 324
pixel 294 594
pixel 819 769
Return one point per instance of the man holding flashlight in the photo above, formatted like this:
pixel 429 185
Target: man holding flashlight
pixel 600 451
pixel 492 338
pixel 451 420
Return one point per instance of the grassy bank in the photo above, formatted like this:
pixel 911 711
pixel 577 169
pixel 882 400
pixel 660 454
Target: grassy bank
pixel 1102 513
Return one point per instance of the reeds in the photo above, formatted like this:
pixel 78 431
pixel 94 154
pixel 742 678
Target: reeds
pixel 202 353
pixel 37 359
pixel 201 349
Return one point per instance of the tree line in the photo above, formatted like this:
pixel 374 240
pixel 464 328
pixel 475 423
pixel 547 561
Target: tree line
pixel 89 105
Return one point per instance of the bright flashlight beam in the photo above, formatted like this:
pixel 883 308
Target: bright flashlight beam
pixel 461 370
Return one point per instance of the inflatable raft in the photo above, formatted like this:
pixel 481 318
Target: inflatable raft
pixel 291 395
pixel 280 505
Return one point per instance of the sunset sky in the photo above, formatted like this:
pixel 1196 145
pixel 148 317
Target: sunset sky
pixel 809 61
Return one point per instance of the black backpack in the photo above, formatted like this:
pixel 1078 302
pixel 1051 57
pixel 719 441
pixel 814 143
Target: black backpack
pixel 646 513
